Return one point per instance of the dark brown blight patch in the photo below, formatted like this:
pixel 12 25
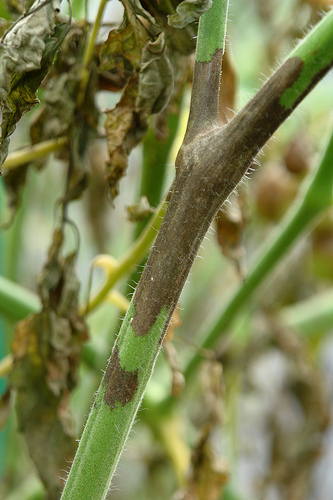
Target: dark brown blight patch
pixel 120 385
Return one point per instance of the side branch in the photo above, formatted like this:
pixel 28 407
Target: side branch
pixel 207 70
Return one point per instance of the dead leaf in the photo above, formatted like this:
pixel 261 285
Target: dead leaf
pixel 140 211
pixel 47 349
pixel 156 77
pixel 125 128
pixel 27 52
pixel 121 52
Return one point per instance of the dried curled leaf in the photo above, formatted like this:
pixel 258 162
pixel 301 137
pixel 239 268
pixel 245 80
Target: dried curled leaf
pixel 155 78
pixel 26 53
pixel 141 211
pixel 125 128
pixel 46 349
pixel 188 11
pixel 122 49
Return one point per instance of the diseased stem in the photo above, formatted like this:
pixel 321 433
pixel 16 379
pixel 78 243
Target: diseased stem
pixel 208 65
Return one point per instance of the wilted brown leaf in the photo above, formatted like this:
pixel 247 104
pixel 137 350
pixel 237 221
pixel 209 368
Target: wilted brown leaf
pixel 140 211
pixel 121 51
pixel 46 350
pixel 125 128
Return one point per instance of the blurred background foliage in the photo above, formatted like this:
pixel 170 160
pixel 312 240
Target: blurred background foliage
pixel 254 420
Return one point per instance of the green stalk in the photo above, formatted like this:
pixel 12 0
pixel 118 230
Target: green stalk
pixel 212 31
pixel 309 205
pixel 311 316
pixel 133 256
pixel 154 163
pixel 89 53
pixel 16 301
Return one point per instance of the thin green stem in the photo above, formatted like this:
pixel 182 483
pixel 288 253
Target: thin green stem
pixel 16 301
pixel 133 256
pixel 312 316
pixel 34 152
pixel 212 31
pixel 89 53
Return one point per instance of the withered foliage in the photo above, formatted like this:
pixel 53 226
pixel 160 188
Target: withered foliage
pixel 136 51
pixel 47 350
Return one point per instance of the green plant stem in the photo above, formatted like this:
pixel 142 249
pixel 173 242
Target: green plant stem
pixel 317 198
pixel 312 316
pixel 34 152
pixel 89 53
pixel 155 158
pixel 16 301
pixel 133 256
pixel 212 31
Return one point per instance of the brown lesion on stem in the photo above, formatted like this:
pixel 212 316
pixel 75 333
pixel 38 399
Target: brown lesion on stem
pixel 120 385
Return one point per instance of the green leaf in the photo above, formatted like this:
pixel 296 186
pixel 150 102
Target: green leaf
pixel 188 11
